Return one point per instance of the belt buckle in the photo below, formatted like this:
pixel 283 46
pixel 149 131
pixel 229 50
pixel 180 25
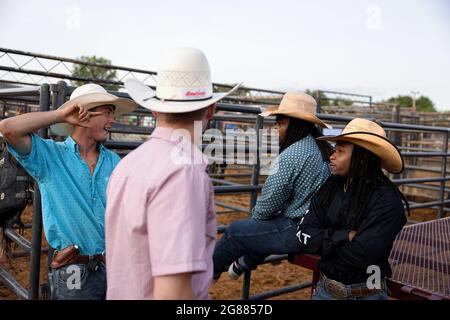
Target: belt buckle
pixel 336 289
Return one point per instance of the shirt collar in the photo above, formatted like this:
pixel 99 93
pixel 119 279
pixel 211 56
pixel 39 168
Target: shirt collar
pixel 73 145
pixel 168 134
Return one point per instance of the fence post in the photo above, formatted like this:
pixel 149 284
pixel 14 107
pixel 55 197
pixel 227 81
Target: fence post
pixel 255 182
pixel 256 167
pixel 443 174
pixel 36 237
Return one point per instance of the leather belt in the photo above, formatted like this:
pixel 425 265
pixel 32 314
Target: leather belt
pixel 71 255
pixel 85 259
pixel 342 292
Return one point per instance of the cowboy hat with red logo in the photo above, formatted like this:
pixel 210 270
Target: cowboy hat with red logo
pixel 183 84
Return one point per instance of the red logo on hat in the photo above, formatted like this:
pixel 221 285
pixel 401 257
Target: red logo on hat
pixel 195 93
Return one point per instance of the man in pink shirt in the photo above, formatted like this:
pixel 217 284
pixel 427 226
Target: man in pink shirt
pixel 160 217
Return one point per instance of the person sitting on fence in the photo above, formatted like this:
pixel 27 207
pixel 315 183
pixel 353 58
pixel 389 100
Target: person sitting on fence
pixel 160 216
pixel 72 176
pixel 354 218
pixel 299 171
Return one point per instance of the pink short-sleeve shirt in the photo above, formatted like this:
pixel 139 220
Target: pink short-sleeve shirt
pixel 160 217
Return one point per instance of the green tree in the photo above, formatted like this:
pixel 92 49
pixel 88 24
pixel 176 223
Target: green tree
pixel 324 101
pixel 423 103
pixel 94 72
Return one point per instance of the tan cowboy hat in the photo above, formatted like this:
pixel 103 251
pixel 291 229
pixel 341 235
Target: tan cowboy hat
pixel 297 105
pixel 183 84
pixel 369 135
pixel 92 95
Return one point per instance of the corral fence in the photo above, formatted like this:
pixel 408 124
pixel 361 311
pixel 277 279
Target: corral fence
pixel 26 92
pixel 50 96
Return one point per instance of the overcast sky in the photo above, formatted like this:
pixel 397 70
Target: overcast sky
pixel 379 48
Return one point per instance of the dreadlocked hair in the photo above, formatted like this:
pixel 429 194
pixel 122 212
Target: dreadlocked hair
pixel 365 174
pixel 298 129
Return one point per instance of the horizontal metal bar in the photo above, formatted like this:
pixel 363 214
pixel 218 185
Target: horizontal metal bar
pixel 25 253
pixel 426 187
pixel 17 82
pixel 8 92
pixel 281 291
pixel 58 75
pixel 226 212
pixel 419 149
pixel 250 88
pixel 414 180
pixel 386 125
pixel 358 102
pixel 225 182
pixel 231 175
pixel 229 206
pixel 238 108
pixel 343 94
pixel 17 238
pixel 425 154
pixel 236 189
pixel 429 204
pixel 235 117
pixel 12 284
pixel 427 169
pixel 131 129
pixel 392 125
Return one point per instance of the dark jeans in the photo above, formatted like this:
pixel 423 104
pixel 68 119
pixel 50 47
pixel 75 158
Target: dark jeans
pixel 322 294
pixel 254 240
pixel 77 282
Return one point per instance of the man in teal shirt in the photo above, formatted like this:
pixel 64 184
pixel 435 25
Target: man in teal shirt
pixel 72 177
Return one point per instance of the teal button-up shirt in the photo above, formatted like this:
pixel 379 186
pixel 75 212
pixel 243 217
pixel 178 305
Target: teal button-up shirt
pixel 298 173
pixel 73 200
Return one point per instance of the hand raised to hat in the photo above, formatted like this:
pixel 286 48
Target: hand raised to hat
pixel 77 115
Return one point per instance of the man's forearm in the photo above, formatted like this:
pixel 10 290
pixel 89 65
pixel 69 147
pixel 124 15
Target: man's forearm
pixel 25 124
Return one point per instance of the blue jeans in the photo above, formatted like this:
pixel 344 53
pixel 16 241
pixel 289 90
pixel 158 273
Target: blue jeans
pixel 322 294
pixel 254 240
pixel 77 282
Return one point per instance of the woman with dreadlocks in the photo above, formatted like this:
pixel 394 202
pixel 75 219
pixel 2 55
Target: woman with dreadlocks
pixel 302 167
pixel 356 215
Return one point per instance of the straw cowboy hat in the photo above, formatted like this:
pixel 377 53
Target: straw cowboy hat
pixel 183 84
pixel 297 105
pixel 92 95
pixel 369 135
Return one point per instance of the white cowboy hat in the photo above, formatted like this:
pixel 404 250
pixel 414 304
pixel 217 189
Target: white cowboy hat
pixel 92 95
pixel 183 84
pixel 369 135
pixel 297 105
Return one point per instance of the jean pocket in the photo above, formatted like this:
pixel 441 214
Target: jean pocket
pixel 71 275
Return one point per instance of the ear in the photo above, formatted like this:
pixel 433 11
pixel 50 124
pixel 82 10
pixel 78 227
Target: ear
pixel 211 111
pixel 155 114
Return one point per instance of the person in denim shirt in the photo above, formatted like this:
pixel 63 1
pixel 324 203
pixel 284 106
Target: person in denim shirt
pixel 72 176
pixel 299 171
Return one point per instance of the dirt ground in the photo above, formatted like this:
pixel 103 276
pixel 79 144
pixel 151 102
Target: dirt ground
pixel 267 277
